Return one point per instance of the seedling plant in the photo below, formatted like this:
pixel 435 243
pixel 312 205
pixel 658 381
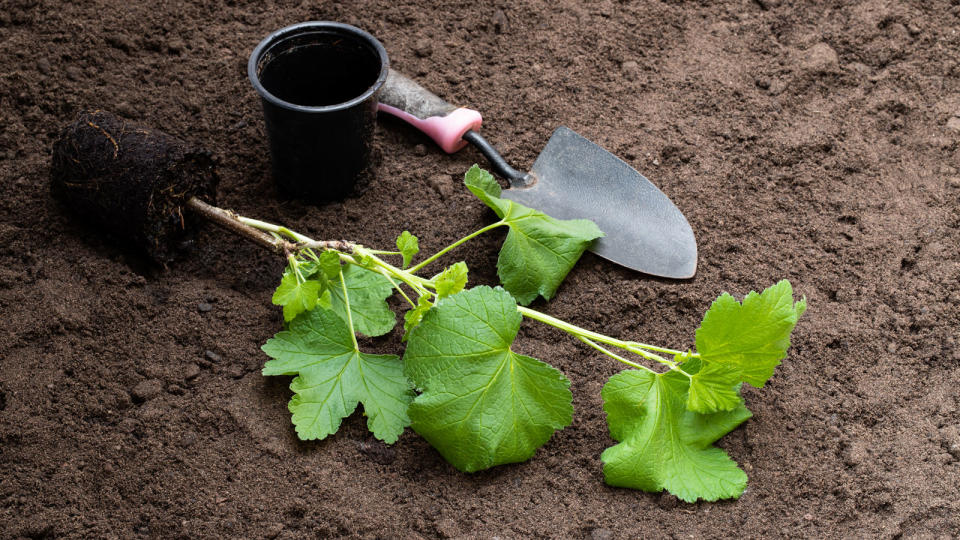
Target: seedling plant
pixel 461 386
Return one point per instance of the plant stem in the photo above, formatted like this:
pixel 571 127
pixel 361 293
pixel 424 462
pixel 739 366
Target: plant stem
pixel 346 302
pixel 276 229
pixel 274 237
pixel 613 355
pixel 234 223
pixel 384 273
pixel 415 282
pixel 296 267
pixel 639 349
pixel 443 251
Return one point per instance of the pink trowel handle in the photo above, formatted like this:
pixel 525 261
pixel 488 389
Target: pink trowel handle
pixel 414 104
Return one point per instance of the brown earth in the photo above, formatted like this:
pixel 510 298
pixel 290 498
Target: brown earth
pixel 811 141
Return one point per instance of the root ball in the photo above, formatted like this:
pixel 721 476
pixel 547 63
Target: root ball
pixel 131 180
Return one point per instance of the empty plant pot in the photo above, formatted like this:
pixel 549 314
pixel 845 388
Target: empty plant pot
pixel 319 84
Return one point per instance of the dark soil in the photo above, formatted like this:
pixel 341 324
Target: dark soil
pixel 818 142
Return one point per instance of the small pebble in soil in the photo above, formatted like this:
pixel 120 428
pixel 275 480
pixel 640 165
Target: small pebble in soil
pixel 127 425
pixel 212 356
pixel 234 371
pixel 423 47
pixel 441 184
pixel 146 390
pixel 447 528
pixel 777 87
pixel 856 454
pixel 192 371
pixel 126 110
pixel 273 530
pixel 818 58
pixel 120 42
pixel 204 307
pixel 500 23
pixel 950 439
pixel 176 46
pixel 631 70
pixel 420 150
pixel 43 66
pixel 953 124
pixel 954 450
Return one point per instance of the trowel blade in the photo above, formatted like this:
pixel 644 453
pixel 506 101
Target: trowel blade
pixel 576 178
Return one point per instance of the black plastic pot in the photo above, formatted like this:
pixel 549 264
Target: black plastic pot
pixel 319 84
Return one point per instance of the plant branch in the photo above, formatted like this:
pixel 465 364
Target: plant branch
pixel 284 241
pixel 640 349
pixel 234 223
pixel 346 302
pixel 613 355
pixel 443 251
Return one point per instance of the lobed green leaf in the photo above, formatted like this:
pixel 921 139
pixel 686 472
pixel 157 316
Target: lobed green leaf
pixel 452 280
pixel 413 316
pixel 330 264
pixel 296 296
pixel 333 376
pixel 539 251
pixel 753 337
pixel 367 292
pixel 482 404
pixel 662 444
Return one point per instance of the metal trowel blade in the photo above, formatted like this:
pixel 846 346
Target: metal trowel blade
pixel 645 231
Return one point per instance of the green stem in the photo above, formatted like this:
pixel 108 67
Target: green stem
pixel 614 356
pixel 639 349
pixel 353 254
pixel 415 282
pixel 384 273
pixel 443 251
pixel 346 302
pixel 276 229
pixel 296 267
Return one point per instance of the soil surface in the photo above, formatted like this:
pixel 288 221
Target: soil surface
pixel 818 142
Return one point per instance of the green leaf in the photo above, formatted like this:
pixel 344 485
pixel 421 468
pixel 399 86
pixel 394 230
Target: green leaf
pixel 482 404
pixel 296 296
pixel 539 250
pixel 662 444
pixel 413 316
pixel 333 376
pixel 330 264
pixel 368 292
pixel 750 338
pixel 408 246
pixel 452 280
pixel 714 388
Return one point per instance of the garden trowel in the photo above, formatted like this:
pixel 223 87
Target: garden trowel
pixel 571 178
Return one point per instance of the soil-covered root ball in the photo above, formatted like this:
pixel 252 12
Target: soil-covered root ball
pixel 131 180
